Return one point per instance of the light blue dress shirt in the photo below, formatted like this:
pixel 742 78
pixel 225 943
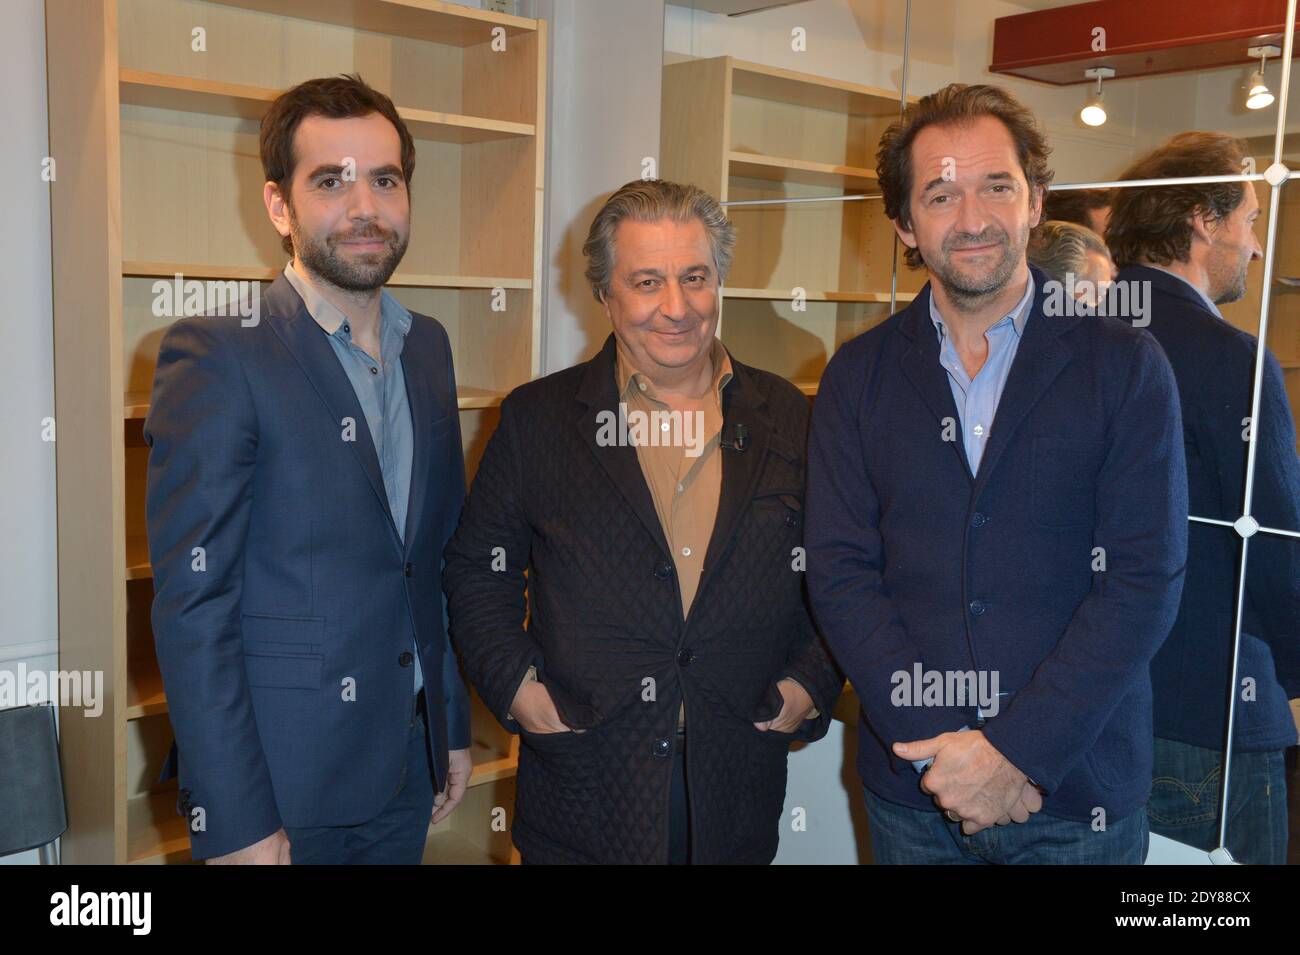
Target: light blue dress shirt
pixel 380 387
pixel 977 398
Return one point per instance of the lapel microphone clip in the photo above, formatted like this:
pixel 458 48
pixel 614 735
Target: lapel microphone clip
pixel 739 442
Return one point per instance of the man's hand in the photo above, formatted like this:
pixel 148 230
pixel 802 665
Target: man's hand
pixel 273 850
pixel 459 767
pixel 796 707
pixel 972 780
pixel 534 710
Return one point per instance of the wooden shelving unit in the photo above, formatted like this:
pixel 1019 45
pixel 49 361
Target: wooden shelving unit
pixel 744 131
pixel 158 174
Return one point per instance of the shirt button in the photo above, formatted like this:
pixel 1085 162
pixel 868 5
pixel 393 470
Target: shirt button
pixel 641 385
pixel 374 371
pixel 347 327
pixel 680 488
pixel 686 552
pixel 979 430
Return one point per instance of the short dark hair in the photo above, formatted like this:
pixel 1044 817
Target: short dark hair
pixel 955 104
pixel 337 97
pixel 1150 223
pixel 1074 205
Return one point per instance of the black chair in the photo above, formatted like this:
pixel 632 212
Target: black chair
pixel 32 809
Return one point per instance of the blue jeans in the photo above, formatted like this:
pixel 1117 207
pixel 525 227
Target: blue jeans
pixel 1185 800
pixel 394 837
pixel 901 835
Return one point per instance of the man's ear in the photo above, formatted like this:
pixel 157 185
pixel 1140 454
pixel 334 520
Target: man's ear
pixel 277 209
pixel 1037 198
pixel 904 233
pixel 1202 226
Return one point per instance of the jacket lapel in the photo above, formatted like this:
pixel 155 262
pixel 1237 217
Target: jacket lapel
pixel 599 394
pixel 1040 357
pixel 418 368
pixel 920 362
pixel 741 405
pixel 305 340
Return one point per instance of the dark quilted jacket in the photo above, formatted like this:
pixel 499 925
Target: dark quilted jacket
pixel 605 626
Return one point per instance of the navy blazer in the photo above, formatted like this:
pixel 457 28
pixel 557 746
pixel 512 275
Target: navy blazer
pixel 303 588
pixel 912 560
pixel 1214 364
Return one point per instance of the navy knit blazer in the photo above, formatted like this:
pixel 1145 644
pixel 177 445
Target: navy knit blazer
pixel 911 559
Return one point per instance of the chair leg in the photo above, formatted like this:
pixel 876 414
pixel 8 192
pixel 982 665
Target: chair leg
pixel 48 854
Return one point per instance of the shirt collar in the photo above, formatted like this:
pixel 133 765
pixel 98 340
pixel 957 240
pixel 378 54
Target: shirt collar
pixel 1019 314
pixel 1214 309
pixel 332 320
pixel 629 379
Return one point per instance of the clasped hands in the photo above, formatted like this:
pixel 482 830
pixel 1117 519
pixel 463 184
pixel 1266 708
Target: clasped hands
pixel 971 781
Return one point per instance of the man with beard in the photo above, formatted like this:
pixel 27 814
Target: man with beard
pixel 996 500
pixel 305 475
pixel 1193 244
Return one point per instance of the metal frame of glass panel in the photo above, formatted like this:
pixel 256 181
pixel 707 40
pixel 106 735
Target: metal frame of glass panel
pixel 1245 526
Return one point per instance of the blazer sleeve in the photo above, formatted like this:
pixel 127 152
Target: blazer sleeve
pixel 845 578
pixel 810 665
pixel 1106 650
pixel 203 437
pixel 484 577
pixel 454 694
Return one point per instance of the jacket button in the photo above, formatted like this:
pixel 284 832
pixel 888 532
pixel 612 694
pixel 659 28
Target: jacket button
pixel 685 657
pixel 406 658
pixel 663 570
pixel 661 747
pixel 790 520
pixel 977 607
pixel 408 569
pixel 978 520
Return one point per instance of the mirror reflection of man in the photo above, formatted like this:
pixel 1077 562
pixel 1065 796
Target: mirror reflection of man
pixel 1194 245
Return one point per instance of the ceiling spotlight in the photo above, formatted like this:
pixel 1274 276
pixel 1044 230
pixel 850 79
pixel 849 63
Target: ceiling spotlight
pixel 1094 112
pixel 1258 95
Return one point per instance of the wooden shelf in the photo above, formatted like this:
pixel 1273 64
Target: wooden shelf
pixel 135 406
pixel 772 294
pixel 137 549
pixel 778 169
pixel 213 97
pixel 779 85
pixel 262 273
pixel 449 847
pixel 156 834
pixel 431 20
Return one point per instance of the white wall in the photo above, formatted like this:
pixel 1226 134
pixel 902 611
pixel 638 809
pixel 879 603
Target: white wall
pixel 606 72
pixel 29 620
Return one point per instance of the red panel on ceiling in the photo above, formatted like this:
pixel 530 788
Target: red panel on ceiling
pixel 1142 38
